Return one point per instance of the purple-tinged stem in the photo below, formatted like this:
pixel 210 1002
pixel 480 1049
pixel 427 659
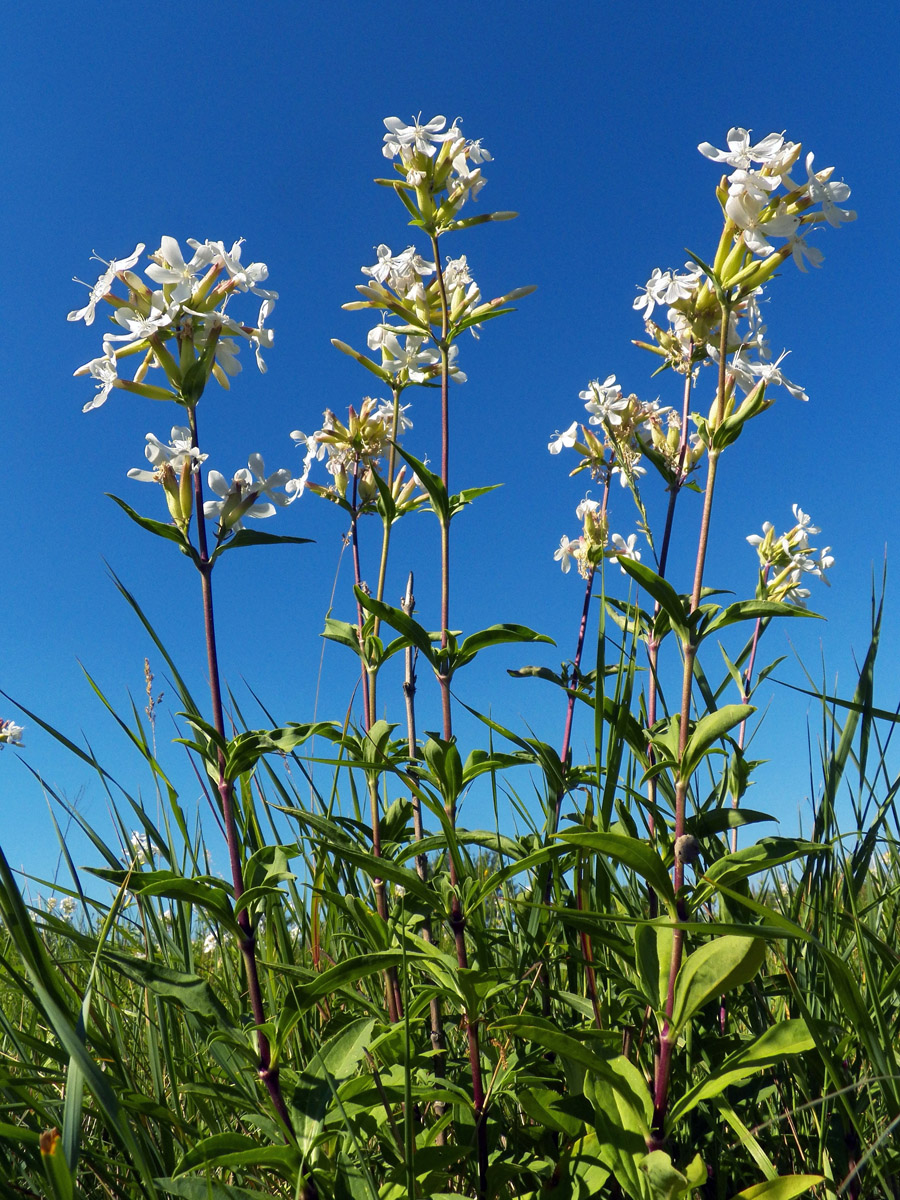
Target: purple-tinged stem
pixel 247 941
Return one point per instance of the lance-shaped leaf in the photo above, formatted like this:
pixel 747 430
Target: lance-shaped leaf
pixel 662 592
pixel 495 635
pixel 416 634
pixel 432 484
pixel 710 729
pixel 328 983
pixel 751 610
pixel 712 970
pixel 629 852
pixel 188 990
pixel 161 528
pixel 787 1037
pixel 750 860
pixel 459 500
pixel 785 1187
pixel 255 537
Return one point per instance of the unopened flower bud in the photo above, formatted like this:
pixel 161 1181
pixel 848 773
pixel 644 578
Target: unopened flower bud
pixel 367 488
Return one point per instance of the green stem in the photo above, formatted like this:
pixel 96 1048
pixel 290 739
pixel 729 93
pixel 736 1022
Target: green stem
pixel 666 1047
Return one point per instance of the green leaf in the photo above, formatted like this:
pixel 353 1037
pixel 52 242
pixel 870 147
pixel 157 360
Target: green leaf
pixel 712 970
pixel 496 635
pixel 785 1187
pixel 460 500
pixel 190 991
pixel 709 729
pixel 433 485
pixel 201 1187
pixel 752 610
pixel 653 958
pixel 255 537
pixel 761 856
pixel 235 1150
pixel 416 634
pixel 786 1037
pixel 630 852
pixel 716 820
pixel 161 528
pixel 665 1181
pixel 662 592
pixel 361 966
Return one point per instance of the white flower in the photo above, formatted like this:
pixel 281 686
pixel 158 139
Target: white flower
pixel 170 270
pixel 587 506
pixel 10 733
pixel 456 274
pixel 411 358
pixel 654 292
pixel 741 154
pixel 262 337
pixel 141 847
pixel 104 371
pixel 567 551
pixel 748 373
pixel 829 195
pixel 566 439
pixel 139 326
pixel 629 474
pixel 238 499
pixel 605 402
pixel 209 943
pixel 624 549
pixel 385 414
pixel 403 272
pixel 175 455
pixel 246 278
pixel 418 137
pixel 104 283
pixel 67 907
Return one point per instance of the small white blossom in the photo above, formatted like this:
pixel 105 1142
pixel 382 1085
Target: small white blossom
pixel 566 440
pixel 170 270
pixel 568 551
pixel 417 137
pixel 741 154
pixel 175 455
pixel 624 549
pixel 103 285
pixel 105 372
pixel 10 733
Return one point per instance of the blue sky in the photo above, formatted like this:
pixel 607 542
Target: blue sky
pixel 265 122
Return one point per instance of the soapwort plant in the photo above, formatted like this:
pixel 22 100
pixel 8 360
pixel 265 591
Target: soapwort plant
pixel 607 999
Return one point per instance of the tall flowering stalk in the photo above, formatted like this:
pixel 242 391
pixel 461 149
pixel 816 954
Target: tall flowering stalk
pixel 182 332
pixel 424 306
pixel 713 318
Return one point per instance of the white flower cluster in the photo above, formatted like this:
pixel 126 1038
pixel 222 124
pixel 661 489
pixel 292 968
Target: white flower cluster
pixel 594 543
pixel 142 849
pixel 188 305
pixel 755 209
pixel 456 168
pixel 10 733
pixel 355 449
pixel 786 559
